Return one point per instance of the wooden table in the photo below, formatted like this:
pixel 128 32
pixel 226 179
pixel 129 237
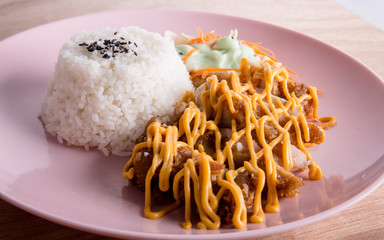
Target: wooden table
pixel 325 20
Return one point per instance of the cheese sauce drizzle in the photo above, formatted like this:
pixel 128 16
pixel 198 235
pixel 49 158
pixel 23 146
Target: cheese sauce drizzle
pixel 195 177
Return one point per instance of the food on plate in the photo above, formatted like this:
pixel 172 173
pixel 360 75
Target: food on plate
pixel 108 84
pixel 236 143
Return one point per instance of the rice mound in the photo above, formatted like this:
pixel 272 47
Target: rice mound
pixel 103 101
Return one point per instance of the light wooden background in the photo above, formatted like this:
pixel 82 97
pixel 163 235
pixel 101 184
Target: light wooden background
pixel 325 20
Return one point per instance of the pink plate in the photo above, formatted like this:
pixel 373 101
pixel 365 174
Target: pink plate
pixel 85 190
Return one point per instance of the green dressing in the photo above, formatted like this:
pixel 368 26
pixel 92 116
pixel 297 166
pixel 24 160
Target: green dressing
pixel 226 52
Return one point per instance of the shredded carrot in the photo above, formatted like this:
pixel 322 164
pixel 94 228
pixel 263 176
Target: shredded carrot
pixel 203 39
pixel 267 50
pixel 291 72
pixel 185 58
pixel 212 44
pixel 213 70
pixel 200 32
pixel 206 71
pixel 256 48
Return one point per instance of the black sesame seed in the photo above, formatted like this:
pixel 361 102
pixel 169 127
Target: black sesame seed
pixel 110 47
pixel 115 33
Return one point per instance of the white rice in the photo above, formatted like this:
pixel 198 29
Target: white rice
pixel 105 103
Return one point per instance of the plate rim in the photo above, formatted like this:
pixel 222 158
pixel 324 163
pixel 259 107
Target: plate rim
pixel 249 233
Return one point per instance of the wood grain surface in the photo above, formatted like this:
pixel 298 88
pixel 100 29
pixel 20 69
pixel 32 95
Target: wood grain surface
pixel 325 20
